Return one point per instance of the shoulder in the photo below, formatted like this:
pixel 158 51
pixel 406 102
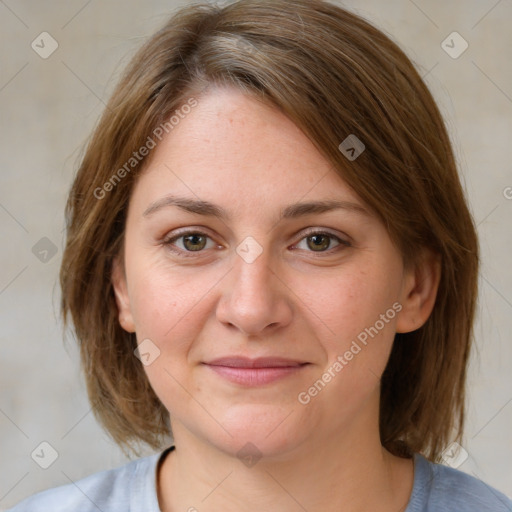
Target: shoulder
pixel 108 491
pixel 444 489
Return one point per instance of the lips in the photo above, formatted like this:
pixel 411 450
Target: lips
pixel 255 372
pixel 260 362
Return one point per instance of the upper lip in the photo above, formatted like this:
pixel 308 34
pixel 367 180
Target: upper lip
pixel 259 362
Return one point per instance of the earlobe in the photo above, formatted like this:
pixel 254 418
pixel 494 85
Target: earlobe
pixel 122 298
pixel 419 292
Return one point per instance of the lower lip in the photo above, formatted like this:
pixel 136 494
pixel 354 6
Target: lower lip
pixel 255 376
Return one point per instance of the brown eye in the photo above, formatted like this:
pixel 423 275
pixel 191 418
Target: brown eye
pixel 189 242
pixel 319 242
pixel 194 242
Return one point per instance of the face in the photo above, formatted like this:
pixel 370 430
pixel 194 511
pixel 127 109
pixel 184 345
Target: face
pixel 243 242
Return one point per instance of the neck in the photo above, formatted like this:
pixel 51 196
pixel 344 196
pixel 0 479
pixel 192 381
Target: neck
pixel 332 471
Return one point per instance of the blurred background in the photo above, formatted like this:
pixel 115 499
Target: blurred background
pixel 59 61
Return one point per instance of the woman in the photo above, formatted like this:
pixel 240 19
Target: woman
pixel 270 258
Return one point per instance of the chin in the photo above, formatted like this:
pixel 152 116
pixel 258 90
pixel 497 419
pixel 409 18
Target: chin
pixel 261 430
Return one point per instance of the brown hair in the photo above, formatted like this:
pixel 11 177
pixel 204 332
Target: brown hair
pixel 333 74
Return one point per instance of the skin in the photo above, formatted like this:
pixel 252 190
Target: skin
pixel 293 301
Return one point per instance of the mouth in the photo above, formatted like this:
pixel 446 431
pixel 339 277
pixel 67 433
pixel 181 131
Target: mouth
pixel 255 372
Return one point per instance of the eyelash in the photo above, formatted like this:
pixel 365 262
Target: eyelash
pixel 168 242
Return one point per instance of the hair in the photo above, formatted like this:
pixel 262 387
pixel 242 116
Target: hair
pixel 333 74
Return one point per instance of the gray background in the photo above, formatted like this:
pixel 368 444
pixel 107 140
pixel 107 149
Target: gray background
pixel 49 106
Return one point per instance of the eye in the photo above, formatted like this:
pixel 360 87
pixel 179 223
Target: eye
pixel 320 241
pixel 190 241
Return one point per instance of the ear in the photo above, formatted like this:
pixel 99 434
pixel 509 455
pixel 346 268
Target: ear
pixel 122 298
pixel 419 292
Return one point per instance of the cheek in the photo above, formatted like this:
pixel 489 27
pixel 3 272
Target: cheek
pixel 170 309
pixel 348 304
pixel 357 312
pixel 165 299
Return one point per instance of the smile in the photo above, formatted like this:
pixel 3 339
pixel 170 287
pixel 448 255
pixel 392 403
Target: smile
pixel 254 372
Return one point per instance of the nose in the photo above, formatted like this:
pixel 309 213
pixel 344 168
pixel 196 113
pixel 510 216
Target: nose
pixel 254 299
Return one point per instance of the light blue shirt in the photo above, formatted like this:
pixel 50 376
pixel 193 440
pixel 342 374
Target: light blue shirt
pixel 132 488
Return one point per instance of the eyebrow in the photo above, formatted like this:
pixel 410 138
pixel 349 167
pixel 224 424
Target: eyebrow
pixel 291 211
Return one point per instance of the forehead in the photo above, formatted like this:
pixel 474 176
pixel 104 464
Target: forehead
pixel 235 150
